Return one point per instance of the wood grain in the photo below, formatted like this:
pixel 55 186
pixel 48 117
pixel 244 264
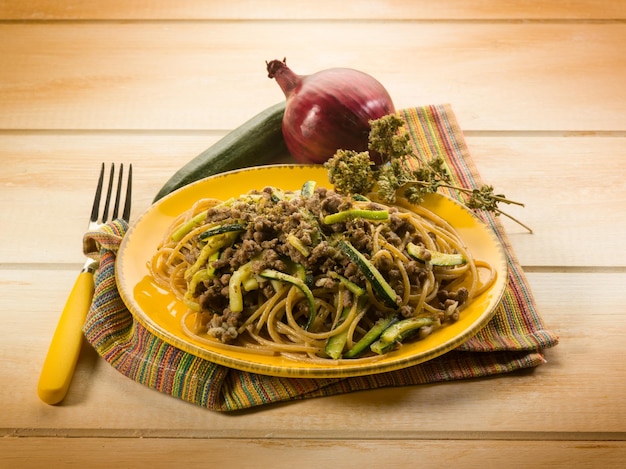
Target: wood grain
pixel 553 176
pixel 311 453
pixel 306 10
pixel 587 364
pixel 537 87
pixel 521 77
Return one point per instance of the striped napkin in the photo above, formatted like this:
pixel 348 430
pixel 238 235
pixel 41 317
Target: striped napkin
pixel 514 339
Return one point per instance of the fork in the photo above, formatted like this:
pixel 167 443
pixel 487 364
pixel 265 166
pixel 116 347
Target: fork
pixel 58 368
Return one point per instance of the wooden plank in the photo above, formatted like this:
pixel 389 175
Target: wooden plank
pixel 555 177
pixel 54 178
pixel 537 88
pixel 302 9
pixel 306 453
pixel 586 367
pixel 527 169
pixel 526 77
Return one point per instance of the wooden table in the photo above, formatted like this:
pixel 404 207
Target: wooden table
pixel 537 87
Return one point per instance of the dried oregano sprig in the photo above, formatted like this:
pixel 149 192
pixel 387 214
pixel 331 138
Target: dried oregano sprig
pixel 354 173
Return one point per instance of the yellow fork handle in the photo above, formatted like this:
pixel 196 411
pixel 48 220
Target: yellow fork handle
pixel 64 350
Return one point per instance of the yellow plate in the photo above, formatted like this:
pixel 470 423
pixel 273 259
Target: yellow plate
pixel 160 312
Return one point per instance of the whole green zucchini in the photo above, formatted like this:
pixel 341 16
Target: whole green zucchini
pixel 256 142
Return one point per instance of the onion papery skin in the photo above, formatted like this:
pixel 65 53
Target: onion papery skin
pixel 329 110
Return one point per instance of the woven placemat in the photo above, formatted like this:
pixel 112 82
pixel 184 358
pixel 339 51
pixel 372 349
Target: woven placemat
pixel 514 339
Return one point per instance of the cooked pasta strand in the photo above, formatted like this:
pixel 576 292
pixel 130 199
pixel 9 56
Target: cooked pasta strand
pixel 278 317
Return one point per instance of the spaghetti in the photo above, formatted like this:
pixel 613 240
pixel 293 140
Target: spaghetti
pixel 315 275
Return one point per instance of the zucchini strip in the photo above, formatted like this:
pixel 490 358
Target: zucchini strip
pixel 395 333
pixel 235 295
pixel 298 245
pixel 435 258
pixel 221 229
pixel 188 226
pixel 379 285
pixel 356 213
pixel 214 244
pixel 297 282
pixel 370 337
pixel 308 188
pixel 336 343
pixel 350 286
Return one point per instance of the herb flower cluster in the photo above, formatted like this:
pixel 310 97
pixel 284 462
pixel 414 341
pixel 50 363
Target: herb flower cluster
pixel 402 171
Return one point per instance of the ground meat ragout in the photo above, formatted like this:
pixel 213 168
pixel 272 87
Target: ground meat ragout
pixel 271 218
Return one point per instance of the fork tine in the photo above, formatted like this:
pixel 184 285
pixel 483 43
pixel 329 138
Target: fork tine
pixel 128 198
pixel 118 192
pixel 107 202
pixel 96 199
pixel 110 205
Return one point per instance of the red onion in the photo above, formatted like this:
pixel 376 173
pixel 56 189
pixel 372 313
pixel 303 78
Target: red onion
pixel 329 110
